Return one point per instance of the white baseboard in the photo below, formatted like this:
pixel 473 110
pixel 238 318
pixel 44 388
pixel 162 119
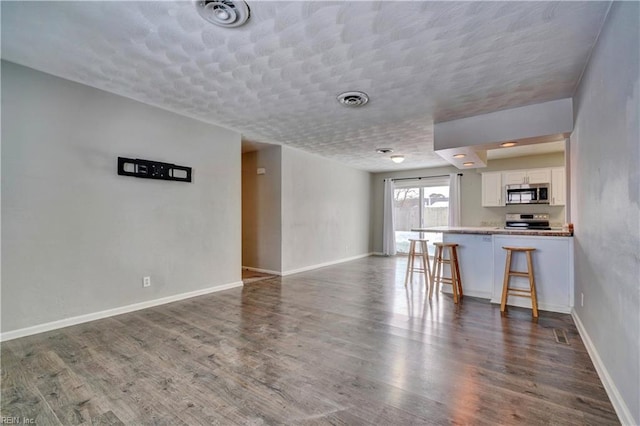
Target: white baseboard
pixel 322 265
pixel 623 412
pixel 378 253
pixel 471 293
pixel 264 271
pixel 41 328
pixel 522 302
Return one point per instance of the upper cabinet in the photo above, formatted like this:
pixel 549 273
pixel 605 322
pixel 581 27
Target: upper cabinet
pixel 515 177
pixel 492 189
pixel 558 187
pixel 493 184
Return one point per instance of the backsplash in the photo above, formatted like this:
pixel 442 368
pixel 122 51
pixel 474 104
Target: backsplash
pixel 495 216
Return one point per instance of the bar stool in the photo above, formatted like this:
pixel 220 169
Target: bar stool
pixel 424 255
pixel 438 269
pixel 508 273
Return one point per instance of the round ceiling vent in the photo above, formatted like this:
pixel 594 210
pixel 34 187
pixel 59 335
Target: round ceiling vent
pixel 353 99
pixel 224 13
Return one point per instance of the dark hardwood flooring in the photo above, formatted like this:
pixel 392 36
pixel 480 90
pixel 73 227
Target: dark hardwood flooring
pixel 344 345
pixel 249 276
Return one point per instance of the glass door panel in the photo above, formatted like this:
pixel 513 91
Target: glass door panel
pixel 420 207
pixel 407 205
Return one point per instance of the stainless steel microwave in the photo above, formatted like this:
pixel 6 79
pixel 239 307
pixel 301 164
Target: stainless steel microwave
pixel 528 193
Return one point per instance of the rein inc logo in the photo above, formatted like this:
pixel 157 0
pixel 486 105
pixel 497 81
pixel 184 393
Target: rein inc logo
pixel 5 420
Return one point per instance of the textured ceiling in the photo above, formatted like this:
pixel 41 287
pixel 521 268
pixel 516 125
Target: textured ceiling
pixel 276 79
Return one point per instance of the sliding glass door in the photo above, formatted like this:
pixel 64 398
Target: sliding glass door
pixel 420 204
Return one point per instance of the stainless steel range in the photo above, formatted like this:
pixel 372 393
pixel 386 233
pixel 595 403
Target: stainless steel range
pixel 538 221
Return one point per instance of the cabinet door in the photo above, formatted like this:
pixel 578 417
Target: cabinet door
pixel 514 177
pixel 492 189
pixel 539 176
pixel 558 187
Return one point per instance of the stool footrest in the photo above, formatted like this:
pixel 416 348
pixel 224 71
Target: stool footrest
pixel 519 274
pixel 518 292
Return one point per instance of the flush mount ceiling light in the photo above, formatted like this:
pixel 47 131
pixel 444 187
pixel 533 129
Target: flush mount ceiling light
pixel 508 144
pixel 384 150
pixel 397 158
pixel 468 163
pixel 225 13
pixel 353 99
pixel 459 156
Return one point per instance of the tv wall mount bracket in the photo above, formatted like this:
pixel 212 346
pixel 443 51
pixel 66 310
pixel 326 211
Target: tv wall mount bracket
pixel 148 169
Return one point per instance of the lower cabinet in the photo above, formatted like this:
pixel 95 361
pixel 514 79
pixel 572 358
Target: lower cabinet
pixel 482 263
pixel 553 270
pixel 475 255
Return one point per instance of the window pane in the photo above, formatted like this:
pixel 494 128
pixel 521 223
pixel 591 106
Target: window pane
pixel 436 206
pixel 407 215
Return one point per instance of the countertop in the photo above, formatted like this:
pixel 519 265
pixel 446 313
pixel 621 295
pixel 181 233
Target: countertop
pixel 494 230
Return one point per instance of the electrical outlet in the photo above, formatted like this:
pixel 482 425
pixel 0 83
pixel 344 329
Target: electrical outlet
pixel 581 299
pixel 146 281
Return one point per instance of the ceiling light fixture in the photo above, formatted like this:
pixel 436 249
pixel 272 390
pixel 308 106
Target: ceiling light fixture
pixel 468 163
pixel 384 150
pixel 397 158
pixel 225 13
pixel 508 144
pixel 353 99
pixel 459 155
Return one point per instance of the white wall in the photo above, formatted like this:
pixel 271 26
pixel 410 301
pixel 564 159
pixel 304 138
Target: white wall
pixel 472 212
pixel 76 237
pixel 262 209
pixel 606 194
pixel 325 211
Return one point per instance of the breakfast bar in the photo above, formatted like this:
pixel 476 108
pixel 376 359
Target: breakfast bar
pixel 482 262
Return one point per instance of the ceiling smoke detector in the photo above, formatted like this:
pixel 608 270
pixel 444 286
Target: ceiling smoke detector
pixel 225 13
pixel 353 99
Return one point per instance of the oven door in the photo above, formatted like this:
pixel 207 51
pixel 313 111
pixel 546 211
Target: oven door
pixel 516 225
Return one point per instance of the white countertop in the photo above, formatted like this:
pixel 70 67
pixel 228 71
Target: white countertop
pixel 487 230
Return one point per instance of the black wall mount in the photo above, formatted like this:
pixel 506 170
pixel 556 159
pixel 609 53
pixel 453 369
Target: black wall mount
pixel 148 169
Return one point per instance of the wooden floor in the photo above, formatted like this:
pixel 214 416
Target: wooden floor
pixel 249 276
pixel 345 344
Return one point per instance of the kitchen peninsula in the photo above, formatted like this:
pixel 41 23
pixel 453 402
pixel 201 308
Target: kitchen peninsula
pixel 482 263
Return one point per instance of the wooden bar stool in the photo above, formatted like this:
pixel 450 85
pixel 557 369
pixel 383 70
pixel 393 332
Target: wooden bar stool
pixel 438 269
pixel 508 273
pixel 424 255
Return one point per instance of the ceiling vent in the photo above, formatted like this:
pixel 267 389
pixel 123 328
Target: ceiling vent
pixel 224 13
pixel 353 99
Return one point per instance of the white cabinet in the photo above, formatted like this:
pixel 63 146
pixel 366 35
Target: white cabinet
pixel 475 255
pixel 553 266
pixel 558 187
pixel 492 189
pixel 539 176
pixel 515 177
